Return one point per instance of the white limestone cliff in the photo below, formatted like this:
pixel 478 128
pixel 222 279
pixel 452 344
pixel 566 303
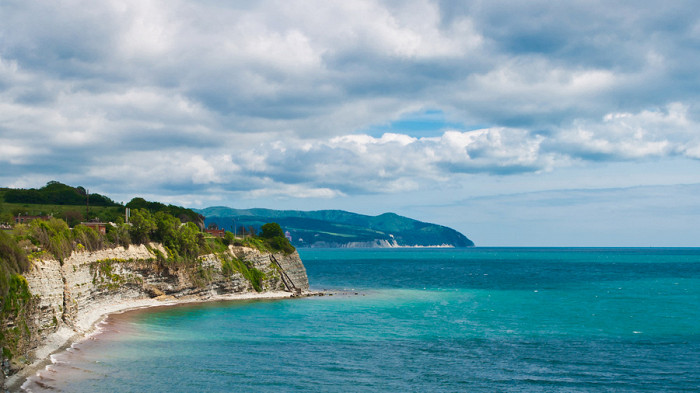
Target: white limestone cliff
pixel 69 297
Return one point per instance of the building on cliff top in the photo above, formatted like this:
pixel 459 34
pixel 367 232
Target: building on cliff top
pixel 20 219
pixel 215 231
pixel 100 227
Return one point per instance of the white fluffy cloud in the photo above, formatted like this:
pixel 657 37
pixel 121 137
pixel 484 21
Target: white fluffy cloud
pixel 275 98
pixel 648 134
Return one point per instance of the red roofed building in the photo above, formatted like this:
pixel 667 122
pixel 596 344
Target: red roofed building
pixel 215 231
pixel 26 219
pixel 100 227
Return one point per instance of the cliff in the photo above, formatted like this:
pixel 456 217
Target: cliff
pixel 66 298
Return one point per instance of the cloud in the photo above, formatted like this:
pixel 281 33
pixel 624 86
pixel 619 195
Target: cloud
pixel 622 135
pixel 308 98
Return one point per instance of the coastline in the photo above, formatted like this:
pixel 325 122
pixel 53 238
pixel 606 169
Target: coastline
pixel 87 323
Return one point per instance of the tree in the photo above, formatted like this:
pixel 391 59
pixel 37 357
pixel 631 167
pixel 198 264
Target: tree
pixel 271 230
pixel 143 225
pixel 191 240
pixel 274 238
pixel 167 228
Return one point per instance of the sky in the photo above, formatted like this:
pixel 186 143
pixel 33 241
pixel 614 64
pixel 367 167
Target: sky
pixel 518 123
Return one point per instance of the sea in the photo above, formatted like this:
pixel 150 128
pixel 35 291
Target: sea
pixel 419 320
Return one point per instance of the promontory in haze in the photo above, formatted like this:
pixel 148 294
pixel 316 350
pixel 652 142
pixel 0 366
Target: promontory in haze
pixel 338 228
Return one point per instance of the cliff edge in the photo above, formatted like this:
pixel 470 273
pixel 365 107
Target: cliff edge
pixel 67 298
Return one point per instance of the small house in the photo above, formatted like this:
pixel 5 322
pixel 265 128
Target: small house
pixel 100 227
pixel 27 219
pixel 215 231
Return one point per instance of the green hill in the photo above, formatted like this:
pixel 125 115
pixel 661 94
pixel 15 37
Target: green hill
pixel 71 204
pixel 55 193
pixel 338 228
pixel 57 200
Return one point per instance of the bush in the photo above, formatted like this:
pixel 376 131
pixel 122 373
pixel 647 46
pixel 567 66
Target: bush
pixel 185 241
pixel 88 238
pixel 229 238
pixel 17 295
pixel 279 243
pixel 12 256
pixel 13 260
pixel 231 264
pixel 52 235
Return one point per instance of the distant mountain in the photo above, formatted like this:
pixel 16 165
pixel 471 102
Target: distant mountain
pixel 338 228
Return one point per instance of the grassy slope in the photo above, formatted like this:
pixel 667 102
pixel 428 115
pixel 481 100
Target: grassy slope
pixel 57 211
pixel 107 213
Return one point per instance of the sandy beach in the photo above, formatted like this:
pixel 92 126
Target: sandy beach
pixel 88 320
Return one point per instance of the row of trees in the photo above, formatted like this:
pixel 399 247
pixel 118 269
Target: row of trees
pixel 69 203
pixel 182 213
pixel 55 193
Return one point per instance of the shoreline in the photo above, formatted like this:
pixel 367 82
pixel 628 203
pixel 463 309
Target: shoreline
pixel 87 325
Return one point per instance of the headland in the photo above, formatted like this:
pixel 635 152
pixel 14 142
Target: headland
pixel 69 298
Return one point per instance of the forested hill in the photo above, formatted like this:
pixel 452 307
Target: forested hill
pixel 70 204
pixel 338 228
pixel 55 193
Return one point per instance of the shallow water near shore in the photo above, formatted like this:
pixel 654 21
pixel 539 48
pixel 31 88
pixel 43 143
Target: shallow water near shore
pixel 501 319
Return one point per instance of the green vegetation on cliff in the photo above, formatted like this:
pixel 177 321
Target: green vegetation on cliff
pixel 14 296
pixel 184 242
pixel 184 214
pixel 13 261
pixel 230 264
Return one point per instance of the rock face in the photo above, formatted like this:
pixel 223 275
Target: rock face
pixel 64 294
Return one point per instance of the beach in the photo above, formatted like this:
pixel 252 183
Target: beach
pixel 87 322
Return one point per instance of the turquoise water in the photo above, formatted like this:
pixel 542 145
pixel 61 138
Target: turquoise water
pixel 540 320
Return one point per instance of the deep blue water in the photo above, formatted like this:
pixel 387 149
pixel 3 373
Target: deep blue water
pixel 521 320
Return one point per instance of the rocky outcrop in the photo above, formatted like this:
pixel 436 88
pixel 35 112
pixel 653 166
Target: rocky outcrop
pixel 66 294
pixel 294 270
